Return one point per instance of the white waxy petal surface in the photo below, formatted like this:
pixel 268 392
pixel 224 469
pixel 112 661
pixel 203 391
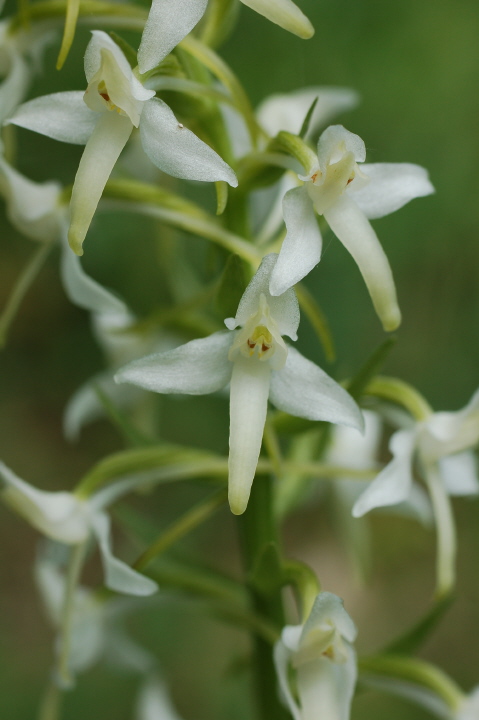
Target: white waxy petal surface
pixel 154 702
pixel 197 368
pixel 335 142
pixel 459 473
pixel 284 309
pixel 301 388
pixel 176 150
pixel 101 152
pixel 33 208
pixel 61 116
pixel 168 23
pixel 391 185
pixel 118 575
pixel 248 406
pixel 82 290
pixel 58 515
pixel 393 484
pixel 329 608
pixel 446 433
pixel 354 230
pixel 287 111
pixel 301 249
pixel 285 14
pixel 282 655
pixel 326 688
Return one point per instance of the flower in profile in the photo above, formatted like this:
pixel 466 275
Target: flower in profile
pixel 258 364
pixel 103 119
pixel 71 520
pixel 348 193
pixel 321 654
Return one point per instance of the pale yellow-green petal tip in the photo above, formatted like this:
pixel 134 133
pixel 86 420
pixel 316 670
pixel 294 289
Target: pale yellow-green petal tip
pixel 392 320
pixel 304 30
pixel 75 242
pixel 238 503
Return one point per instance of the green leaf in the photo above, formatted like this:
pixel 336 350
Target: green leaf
pixel 128 51
pixel 411 640
pixel 373 365
pixel 231 288
pixel 307 119
pixel 267 574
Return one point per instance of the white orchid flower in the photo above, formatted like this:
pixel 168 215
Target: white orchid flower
pixel 103 117
pixel 68 519
pixel 257 363
pixel 348 193
pixel 323 658
pixel 441 447
pixel 154 702
pixel 96 627
pixel 284 13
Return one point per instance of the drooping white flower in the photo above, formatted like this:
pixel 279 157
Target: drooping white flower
pixel 103 118
pixel 68 519
pixel 324 661
pixel 348 193
pixel 440 447
pixel 284 13
pixel 258 364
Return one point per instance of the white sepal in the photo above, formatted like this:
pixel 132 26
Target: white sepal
pixel 196 368
pixel 118 575
pixel 62 116
pixel 394 482
pixel 58 515
pixel 169 21
pixel 446 433
pixel 248 406
pixel 285 14
pixel 335 142
pixel 303 389
pixel 459 473
pixel 354 230
pixel 154 702
pixel 301 249
pixel 176 150
pixel 391 185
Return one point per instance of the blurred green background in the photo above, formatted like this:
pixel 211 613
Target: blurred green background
pixel 416 67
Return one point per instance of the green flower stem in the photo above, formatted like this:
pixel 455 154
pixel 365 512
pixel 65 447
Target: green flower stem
pixel 401 393
pixel 224 74
pixel 305 583
pixel 257 529
pixel 445 529
pixel 297 148
pixel 415 671
pixel 131 16
pixel 192 519
pixel 21 288
pixel 51 703
pixel 75 565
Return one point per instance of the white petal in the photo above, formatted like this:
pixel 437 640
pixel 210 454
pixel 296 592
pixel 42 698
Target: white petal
pixel 197 368
pixel 285 14
pixel 248 406
pixel 101 152
pixel 284 309
pixel 329 608
pixel 15 85
pixel 176 150
pixel 82 290
pixel 391 185
pixel 61 116
pixel 154 702
pixel 326 688
pixel 352 227
pixel 350 449
pixel 118 575
pixel 301 249
pixel 168 23
pixel 451 432
pixel 393 484
pixel 334 142
pixel 33 208
pixel 287 111
pixel 459 473
pixel 301 388
pixel 58 515
pixel 282 656
pixel 469 709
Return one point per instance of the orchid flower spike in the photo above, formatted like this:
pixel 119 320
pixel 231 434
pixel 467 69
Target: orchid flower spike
pixel 348 193
pixel 441 447
pixel 68 519
pixel 284 13
pixel 103 118
pixel 323 658
pixel 257 363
